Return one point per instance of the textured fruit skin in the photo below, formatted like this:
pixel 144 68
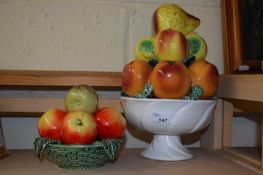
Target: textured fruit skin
pixel 134 76
pixel 144 49
pixel 78 127
pixel 110 123
pixel 206 75
pixel 170 80
pixel 81 97
pixel 170 45
pixel 172 16
pixel 196 46
pixel 49 124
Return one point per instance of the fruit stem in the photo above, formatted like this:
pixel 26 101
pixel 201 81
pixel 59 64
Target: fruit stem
pixel 79 122
pixel 170 62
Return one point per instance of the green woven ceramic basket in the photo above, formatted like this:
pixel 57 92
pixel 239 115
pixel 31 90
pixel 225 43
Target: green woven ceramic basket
pixel 77 156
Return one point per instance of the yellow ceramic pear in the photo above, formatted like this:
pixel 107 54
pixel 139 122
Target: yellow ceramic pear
pixel 173 16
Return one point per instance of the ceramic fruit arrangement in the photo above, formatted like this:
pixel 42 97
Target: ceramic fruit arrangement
pixel 82 136
pixel 83 122
pixel 172 63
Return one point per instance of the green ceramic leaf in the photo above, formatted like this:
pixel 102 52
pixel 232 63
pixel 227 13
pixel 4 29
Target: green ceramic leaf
pixel 111 147
pixel 153 62
pixel 193 46
pixel 146 46
pixel 148 88
pixel 189 60
pixel 195 93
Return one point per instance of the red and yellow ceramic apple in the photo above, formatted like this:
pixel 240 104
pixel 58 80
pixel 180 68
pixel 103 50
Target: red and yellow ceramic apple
pixel 170 80
pixel 78 127
pixel 50 122
pixel 205 75
pixel 110 123
pixel 170 45
pixel 134 76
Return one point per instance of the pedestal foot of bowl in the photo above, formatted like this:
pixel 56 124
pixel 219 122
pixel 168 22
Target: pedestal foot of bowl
pixel 167 148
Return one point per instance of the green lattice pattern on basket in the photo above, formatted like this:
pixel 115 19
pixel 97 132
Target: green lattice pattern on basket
pixel 78 156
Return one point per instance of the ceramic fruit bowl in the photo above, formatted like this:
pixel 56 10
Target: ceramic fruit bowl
pixel 168 119
pixel 78 156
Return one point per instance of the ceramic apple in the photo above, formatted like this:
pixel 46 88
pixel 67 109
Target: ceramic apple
pixel 205 74
pixel 82 97
pixel 134 76
pixel 170 80
pixel 170 45
pixel 110 123
pixel 78 127
pixel 49 123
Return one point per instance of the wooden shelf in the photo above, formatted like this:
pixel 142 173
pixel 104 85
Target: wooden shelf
pixel 242 94
pixel 241 86
pixel 234 87
pixel 21 107
pixel 34 78
pixel 246 156
pixel 129 162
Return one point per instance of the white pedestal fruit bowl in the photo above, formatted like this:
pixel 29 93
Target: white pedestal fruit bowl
pixel 168 119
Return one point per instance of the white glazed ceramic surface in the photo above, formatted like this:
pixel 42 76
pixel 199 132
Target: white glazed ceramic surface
pixel 167 119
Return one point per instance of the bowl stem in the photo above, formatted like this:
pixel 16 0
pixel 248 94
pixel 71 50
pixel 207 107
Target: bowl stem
pixel 167 148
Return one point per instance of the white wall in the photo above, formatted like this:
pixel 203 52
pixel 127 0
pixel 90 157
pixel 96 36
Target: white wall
pixel 88 34
pixel 85 35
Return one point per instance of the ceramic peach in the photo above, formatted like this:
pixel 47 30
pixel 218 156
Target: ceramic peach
pixel 134 76
pixel 205 75
pixel 170 80
pixel 170 45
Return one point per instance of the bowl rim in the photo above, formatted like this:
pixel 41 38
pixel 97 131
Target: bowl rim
pixel 74 145
pixel 97 143
pixel 166 100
